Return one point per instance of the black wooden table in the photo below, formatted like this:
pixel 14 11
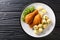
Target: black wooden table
pixel 10 12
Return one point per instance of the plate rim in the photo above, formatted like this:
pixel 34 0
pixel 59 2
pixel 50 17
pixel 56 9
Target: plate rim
pixel 54 19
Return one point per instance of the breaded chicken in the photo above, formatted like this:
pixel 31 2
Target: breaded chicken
pixel 37 20
pixel 29 18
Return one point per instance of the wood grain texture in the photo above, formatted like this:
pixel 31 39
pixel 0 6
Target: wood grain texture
pixel 10 13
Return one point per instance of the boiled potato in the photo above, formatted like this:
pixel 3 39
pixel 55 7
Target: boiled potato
pixel 40 30
pixel 45 17
pixel 45 26
pixel 48 21
pixel 39 8
pixel 35 27
pixel 36 31
pixel 40 25
pixel 44 21
pixel 44 11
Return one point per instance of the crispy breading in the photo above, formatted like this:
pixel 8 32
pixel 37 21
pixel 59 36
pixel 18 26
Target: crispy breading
pixel 29 18
pixel 37 20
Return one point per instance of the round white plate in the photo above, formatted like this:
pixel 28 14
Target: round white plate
pixel 47 31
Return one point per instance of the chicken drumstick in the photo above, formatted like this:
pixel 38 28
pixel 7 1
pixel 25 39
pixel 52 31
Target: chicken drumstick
pixel 29 18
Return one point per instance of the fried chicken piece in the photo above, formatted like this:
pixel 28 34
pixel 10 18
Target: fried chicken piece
pixel 37 20
pixel 29 18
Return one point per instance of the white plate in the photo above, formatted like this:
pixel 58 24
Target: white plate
pixel 47 31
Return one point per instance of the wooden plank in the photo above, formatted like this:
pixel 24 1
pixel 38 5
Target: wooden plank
pixel 10 18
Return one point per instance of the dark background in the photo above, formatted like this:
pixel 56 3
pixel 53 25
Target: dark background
pixel 10 12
